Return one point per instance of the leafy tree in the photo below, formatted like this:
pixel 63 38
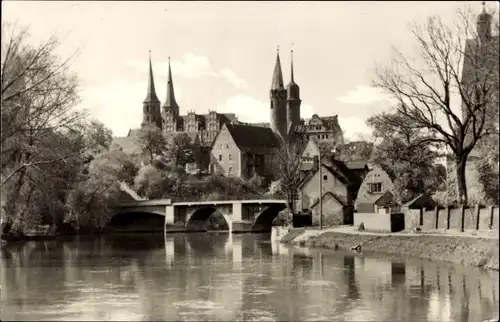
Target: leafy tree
pixel 151 141
pixel 91 199
pixel 411 166
pixel 151 182
pixel 179 150
pixel 424 84
pixel 487 167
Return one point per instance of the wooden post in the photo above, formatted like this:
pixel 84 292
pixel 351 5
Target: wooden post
pixel 478 210
pixel 437 216
pixel 491 216
pixel 448 211
pixel 462 211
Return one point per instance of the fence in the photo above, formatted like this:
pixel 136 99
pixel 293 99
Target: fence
pixel 461 218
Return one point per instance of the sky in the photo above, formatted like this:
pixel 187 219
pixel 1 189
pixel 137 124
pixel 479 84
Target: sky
pixel 223 53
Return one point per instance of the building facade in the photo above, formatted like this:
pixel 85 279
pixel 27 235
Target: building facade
pixel 243 150
pixel 375 184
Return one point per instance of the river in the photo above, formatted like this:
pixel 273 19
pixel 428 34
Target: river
pixel 218 276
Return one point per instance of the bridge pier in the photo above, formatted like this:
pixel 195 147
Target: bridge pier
pixel 170 224
pixel 238 224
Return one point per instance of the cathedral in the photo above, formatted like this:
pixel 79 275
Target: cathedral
pixel 285 116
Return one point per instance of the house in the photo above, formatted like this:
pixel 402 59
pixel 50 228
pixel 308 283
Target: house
pixel 243 150
pixel 339 187
pixel 375 184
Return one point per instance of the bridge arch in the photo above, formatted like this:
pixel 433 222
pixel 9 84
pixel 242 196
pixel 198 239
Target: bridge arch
pixel 264 221
pixel 198 221
pixel 136 221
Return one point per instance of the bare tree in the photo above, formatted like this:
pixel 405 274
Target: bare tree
pixel 288 162
pixel 38 95
pixel 451 60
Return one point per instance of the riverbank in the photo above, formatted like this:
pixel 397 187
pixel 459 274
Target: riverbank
pixel 480 250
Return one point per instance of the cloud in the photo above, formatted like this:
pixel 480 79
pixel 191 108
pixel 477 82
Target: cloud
pixel 249 109
pixel 231 77
pixel 191 66
pixel 363 94
pixel 354 128
pixel 118 104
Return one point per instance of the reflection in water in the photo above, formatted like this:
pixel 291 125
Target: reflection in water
pixel 219 276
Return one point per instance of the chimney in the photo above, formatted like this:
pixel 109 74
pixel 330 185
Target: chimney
pixel 316 163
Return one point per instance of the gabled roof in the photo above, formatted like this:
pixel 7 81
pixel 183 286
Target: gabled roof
pixel 379 199
pixel 332 170
pixel 338 198
pixel 252 139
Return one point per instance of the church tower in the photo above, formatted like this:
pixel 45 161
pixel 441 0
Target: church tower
pixel 151 114
pixel 278 101
pixel 170 109
pixel 293 103
pixel 484 25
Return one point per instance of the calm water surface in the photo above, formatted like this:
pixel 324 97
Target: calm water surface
pixel 222 277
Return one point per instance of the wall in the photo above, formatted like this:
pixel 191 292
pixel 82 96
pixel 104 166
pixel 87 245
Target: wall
pixel 382 222
pixel 373 221
pixel 310 190
pixel 225 146
pixel 451 218
pixel 333 212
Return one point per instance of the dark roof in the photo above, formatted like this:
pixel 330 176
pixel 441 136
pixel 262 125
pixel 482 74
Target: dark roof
pixel 420 201
pixel 356 165
pixel 251 138
pixel 277 82
pixel 151 92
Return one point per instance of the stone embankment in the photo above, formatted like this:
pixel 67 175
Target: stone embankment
pixel 479 249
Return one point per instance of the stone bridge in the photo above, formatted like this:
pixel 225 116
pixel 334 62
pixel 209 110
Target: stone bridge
pixel 240 215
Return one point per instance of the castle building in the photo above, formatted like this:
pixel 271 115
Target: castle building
pixel 285 122
pixel 169 119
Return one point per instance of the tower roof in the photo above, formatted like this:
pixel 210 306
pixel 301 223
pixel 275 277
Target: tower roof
pixel 292 87
pixel 170 100
pixel 151 94
pixel 277 83
pixel 484 16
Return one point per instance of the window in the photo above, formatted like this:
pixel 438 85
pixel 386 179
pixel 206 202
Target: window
pixel 222 146
pixel 325 177
pixel 375 187
pixel 220 157
pixel 227 146
pixel 229 157
pixel 327 136
pixel 230 170
pixel 319 136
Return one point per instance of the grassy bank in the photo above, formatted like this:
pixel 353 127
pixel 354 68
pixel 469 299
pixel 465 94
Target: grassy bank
pixel 470 251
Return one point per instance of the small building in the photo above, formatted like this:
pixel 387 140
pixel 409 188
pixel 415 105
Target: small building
pixel 243 150
pixel 359 167
pixel 338 191
pixel 375 184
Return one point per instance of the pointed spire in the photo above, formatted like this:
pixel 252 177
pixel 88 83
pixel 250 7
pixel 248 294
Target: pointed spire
pixel 151 94
pixel 293 91
pixel 170 100
pixel 277 83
